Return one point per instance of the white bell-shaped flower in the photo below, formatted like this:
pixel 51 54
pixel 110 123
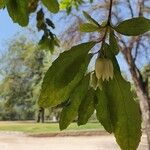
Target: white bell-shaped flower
pixel 104 69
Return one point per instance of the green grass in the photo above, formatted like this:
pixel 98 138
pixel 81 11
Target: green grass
pixel 35 128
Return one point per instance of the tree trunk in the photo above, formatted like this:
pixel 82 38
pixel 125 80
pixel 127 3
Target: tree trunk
pixel 144 105
pixel 141 91
pixel 41 115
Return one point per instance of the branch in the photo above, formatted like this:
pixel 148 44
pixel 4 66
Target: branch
pixel 130 7
pixel 108 21
pixel 136 49
pixel 141 5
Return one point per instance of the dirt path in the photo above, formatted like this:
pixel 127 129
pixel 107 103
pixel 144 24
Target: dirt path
pixel 11 141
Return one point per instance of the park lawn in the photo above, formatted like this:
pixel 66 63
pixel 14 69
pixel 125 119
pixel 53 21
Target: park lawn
pixel 38 128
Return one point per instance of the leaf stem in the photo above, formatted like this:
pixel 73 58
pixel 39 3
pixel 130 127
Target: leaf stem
pixel 110 12
pixel 108 21
pixel 107 27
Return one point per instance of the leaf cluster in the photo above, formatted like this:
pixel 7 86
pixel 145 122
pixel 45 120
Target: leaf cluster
pixel 68 80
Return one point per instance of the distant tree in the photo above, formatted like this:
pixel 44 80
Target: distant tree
pixel 23 68
pixel 41 113
pixel 146 77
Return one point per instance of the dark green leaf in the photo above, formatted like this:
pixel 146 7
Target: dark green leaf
pixel 41 25
pixel 18 11
pixel 134 26
pixel 52 5
pixel 124 113
pixel 2 3
pixel 103 110
pixel 68 10
pixel 88 27
pixel 70 112
pixel 40 15
pixel 46 43
pixel 64 75
pixel 49 42
pixel 86 108
pixel 90 19
pixel 124 110
pixel 113 43
pixel 50 23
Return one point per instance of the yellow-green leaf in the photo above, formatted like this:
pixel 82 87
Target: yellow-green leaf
pixel 134 26
pixel 88 27
pixel 52 5
pixel 90 19
pixel 64 75
pixel 70 112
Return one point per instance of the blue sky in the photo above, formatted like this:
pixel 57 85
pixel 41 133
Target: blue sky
pixel 7 29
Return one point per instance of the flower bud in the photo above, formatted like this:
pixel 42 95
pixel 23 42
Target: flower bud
pixel 104 68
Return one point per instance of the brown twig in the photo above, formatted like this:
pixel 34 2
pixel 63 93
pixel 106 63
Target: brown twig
pixel 130 7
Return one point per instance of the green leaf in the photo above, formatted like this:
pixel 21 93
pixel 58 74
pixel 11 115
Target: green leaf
pixel 103 110
pixel 93 81
pixel 2 3
pixel 124 113
pixel 86 108
pixel 88 27
pixel 18 11
pixel 52 5
pixel 134 26
pixel 64 75
pixel 44 43
pixel 90 19
pixel 70 112
pixel 124 110
pixel 47 43
pixel 113 43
